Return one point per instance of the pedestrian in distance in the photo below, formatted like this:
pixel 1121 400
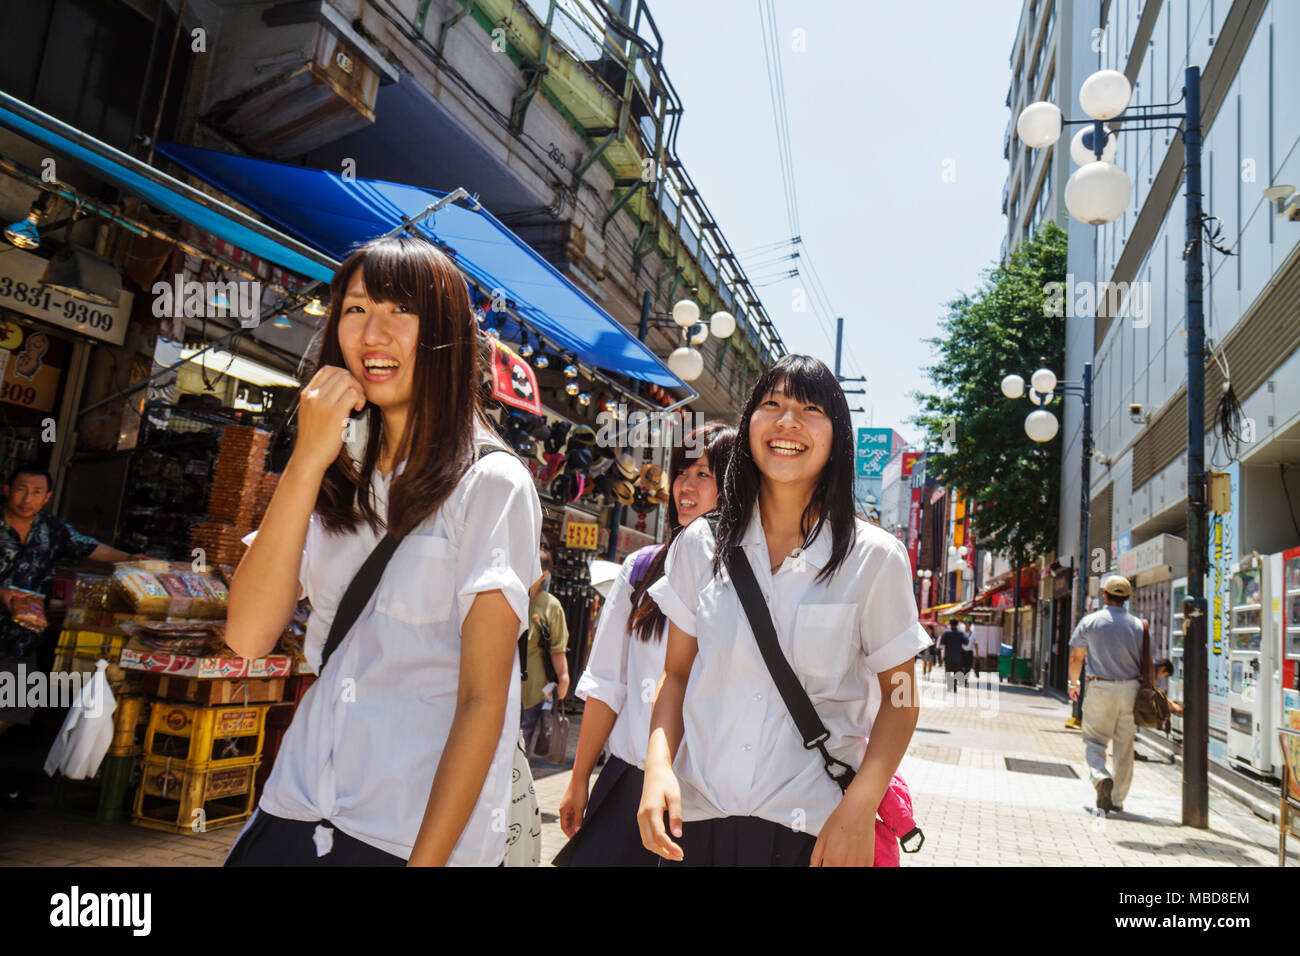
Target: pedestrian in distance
pixel 1164 671
pixel 790 594
pixel 547 667
pixel 623 671
pixel 968 652
pixel 927 656
pixel 953 643
pixel 402 752
pixel 1108 644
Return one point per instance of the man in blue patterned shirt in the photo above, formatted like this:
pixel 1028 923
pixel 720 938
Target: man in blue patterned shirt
pixel 33 543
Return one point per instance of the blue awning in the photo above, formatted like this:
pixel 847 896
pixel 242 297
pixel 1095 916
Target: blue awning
pixel 162 191
pixel 335 215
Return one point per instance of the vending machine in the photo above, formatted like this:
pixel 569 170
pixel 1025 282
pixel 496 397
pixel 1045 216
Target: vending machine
pixel 1291 620
pixel 1255 644
pixel 1178 593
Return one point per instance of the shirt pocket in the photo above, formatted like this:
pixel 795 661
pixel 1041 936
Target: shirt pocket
pixel 419 582
pixel 824 639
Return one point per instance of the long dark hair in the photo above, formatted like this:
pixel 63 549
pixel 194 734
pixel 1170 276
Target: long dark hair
pixel 715 442
pixel 445 406
pixel 806 380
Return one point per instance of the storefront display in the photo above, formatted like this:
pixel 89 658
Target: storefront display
pixel 193 724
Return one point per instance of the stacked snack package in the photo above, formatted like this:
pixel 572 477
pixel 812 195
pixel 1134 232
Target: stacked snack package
pixel 158 589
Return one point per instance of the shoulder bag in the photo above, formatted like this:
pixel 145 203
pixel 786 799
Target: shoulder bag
pixel 809 725
pixel 1151 706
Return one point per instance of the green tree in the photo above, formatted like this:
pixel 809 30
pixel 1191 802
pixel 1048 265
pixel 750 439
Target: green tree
pixel 1012 481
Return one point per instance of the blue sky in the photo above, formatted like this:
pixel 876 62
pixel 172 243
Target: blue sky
pixel 884 100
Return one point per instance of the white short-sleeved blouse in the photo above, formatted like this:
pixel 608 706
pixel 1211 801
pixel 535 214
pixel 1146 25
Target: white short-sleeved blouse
pixel 623 671
pixel 741 754
pixel 367 738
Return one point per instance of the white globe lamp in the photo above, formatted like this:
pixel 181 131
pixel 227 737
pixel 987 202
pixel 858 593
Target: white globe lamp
pixel 1098 193
pixel 1041 425
pixel 1081 146
pixel 686 363
pixel 686 313
pixel 1013 386
pixel 722 324
pixel 1039 125
pixel 1105 94
pixel 1044 380
pixel 698 333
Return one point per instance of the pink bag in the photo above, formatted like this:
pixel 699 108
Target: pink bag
pixel 895 824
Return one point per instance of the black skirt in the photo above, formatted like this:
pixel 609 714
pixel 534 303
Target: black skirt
pixel 609 835
pixel 741 841
pixel 274 841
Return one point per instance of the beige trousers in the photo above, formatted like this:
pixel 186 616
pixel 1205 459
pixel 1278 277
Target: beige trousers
pixel 1108 718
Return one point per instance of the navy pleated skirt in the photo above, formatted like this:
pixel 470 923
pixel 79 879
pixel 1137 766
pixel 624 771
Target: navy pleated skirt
pixel 609 835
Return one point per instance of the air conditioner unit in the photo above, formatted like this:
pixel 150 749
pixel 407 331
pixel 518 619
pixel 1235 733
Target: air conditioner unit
pixel 290 77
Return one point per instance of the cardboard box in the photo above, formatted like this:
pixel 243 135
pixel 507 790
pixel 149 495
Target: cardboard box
pixel 251 690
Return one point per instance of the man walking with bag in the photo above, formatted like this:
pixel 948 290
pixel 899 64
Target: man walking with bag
pixel 1109 640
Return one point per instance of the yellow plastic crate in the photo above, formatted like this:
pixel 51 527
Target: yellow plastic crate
pixel 91 645
pixel 193 734
pixel 129 724
pixel 195 798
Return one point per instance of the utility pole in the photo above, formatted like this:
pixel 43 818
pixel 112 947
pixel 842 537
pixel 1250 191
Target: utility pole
pixel 1196 721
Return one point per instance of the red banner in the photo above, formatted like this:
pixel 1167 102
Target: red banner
pixel 914 527
pixel 513 380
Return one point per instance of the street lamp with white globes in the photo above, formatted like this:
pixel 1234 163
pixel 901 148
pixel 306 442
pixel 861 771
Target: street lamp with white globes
pixel 1097 193
pixel 686 362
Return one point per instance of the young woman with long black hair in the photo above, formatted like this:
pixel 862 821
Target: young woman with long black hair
pixel 623 669
pixel 725 760
pixel 401 752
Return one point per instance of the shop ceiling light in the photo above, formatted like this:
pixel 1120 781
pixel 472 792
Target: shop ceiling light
pixel 282 322
pixel 24 233
pixel 83 275
pixel 570 371
pixel 315 307
pixel 584 399
pixel 542 361
pixel 236 366
pixel 571 388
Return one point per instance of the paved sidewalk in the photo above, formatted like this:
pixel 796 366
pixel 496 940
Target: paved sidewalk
pixel 973 809
pixel 977 812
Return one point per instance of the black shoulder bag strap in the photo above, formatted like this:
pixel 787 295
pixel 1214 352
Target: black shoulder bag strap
pixel 809 725
pixel 364 583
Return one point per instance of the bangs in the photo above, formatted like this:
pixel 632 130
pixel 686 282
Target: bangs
pixel 804 379
pixel 409 271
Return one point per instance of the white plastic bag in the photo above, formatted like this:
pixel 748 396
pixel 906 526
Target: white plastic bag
pixel 87 731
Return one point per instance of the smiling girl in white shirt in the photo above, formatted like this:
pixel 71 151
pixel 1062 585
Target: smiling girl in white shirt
pixel 401 752
pixel 725 761
pixel 626 660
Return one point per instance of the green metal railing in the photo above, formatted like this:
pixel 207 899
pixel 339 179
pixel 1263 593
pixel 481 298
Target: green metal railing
pixel 605 75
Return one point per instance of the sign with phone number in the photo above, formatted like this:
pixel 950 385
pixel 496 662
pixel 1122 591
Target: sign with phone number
pixel 21 291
